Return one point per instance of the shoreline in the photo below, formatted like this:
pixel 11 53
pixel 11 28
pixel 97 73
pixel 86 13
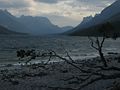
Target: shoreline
pixel 54 75
pixel 17 63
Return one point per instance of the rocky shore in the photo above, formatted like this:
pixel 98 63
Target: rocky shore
pixel 58 75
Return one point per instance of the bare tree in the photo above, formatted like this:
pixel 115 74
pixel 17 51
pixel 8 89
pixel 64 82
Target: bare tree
pixel 89 73
pixel 98 45
pixel 105 31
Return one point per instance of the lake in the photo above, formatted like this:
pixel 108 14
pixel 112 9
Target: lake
pixel 78 47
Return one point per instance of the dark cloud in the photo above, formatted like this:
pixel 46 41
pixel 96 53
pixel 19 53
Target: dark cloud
pixel 96 2
pixel 48 1
pixel 61 12
pixel 14 4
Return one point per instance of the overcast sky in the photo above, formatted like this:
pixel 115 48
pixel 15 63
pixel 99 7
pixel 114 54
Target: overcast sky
pixel 60 12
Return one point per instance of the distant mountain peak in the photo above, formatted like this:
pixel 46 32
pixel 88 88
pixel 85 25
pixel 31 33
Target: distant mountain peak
pixel 36 25
pixel 9 21
pixel 86 19
pixel 36 19
pixel 39 25
pixel 112 9
pixel 109 14
pixel 5 12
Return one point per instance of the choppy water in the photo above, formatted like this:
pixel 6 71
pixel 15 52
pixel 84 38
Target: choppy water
pixel 78 47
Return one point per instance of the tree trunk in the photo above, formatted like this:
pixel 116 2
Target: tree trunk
pixel 103 58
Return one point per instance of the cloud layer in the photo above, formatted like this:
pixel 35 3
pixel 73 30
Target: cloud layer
pixel 61 12
pixel 48 1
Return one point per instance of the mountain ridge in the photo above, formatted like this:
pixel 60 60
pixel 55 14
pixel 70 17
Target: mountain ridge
pixel 35 25
pixel 5 31
pixel 100 19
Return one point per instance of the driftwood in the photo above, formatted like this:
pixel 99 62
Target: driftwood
pixel 88 73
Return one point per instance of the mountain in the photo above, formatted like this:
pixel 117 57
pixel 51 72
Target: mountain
pixel 67 28
pixel 86 19
pixel 110 14
pixel 5 31
pixel 94 30
pixel 9 21
pixel 104 15
pixel 39 25
pixel 29 24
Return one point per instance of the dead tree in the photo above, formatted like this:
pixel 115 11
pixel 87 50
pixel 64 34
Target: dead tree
pixel 105 31
pixel 88 73
pixel 98 45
